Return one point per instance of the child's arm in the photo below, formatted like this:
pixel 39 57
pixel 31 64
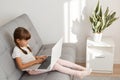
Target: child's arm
pixel 23 66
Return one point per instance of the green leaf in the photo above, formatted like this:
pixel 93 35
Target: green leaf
pixel 100 13
pixel 106 12
pixel 112 15
pixel 111 21
pixel 91 19
pixel 97 7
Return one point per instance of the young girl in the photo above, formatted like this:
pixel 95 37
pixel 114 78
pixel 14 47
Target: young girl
pixel 24 57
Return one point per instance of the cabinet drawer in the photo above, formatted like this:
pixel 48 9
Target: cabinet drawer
pixel 102 62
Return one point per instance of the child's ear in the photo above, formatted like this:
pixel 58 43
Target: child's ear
pixel 18 40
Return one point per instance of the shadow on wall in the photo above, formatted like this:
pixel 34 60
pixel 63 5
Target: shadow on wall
pixel 81 29
pixel 76 23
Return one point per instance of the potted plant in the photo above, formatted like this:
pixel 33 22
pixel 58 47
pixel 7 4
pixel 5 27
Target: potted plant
pixel 101 20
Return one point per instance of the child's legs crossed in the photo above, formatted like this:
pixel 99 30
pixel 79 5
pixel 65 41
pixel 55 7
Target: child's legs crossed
pixel 69 71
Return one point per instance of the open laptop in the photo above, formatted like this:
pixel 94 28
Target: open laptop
pixel 48 64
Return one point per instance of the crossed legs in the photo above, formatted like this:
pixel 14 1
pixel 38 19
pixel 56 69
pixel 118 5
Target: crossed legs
pixel 70 68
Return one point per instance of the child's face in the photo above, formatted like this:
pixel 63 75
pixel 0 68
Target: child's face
pixel 22 43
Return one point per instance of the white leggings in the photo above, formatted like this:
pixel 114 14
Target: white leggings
pixel 63 66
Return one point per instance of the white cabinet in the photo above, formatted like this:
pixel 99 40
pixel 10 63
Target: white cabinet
pixel 99 55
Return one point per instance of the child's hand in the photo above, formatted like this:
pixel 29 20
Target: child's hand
pixel 41 57
pixel 39 61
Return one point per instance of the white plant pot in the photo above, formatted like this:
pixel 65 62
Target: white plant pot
pixel 97 37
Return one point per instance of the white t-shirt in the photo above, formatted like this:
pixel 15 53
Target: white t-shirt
pixel 24 57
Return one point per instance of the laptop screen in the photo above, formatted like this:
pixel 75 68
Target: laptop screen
pixel 56 52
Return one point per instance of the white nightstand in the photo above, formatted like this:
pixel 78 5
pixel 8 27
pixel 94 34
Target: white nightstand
pixel 99 55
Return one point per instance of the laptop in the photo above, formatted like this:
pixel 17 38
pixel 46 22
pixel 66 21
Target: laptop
pixel 49 62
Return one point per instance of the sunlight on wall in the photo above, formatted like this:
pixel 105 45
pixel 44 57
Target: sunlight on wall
pixel 72 11
pixel 66 22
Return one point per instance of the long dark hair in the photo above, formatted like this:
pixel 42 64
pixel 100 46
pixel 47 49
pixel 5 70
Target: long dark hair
pixel 21 33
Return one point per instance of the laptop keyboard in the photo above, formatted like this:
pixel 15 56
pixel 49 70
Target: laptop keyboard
pixel 46 63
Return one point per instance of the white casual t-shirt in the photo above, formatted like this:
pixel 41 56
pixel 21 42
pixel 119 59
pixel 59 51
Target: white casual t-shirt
pixel 24 57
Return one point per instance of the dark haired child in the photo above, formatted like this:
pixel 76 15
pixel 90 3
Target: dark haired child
pixel 24 57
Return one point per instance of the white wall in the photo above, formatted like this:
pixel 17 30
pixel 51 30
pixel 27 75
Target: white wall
pixel 45 15
pixel 48 18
